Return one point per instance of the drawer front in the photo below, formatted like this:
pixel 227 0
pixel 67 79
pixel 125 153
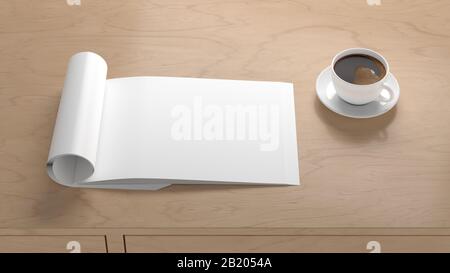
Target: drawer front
pixel 49 244
pixel 227 243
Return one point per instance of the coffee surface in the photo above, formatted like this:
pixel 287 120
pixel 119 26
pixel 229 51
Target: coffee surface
pixel 360 69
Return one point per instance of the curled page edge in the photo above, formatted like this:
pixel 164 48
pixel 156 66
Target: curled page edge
pixel 75 138
pixel 73 150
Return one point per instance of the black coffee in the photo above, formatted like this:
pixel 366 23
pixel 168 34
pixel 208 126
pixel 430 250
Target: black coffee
pixel 360 69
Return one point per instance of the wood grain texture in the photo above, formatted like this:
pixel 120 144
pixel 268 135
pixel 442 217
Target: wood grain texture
pixel 283 244
pixel 51 244
pixel 388 172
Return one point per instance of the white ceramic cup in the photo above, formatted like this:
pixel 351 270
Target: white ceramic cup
pixel 360 94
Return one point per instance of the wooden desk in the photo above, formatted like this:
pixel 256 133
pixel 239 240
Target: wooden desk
pixel 385 179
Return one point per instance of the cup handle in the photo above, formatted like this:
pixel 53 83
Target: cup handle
pixel 382 98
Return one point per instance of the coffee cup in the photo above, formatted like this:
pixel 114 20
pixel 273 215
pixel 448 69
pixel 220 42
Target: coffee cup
pixel 359 76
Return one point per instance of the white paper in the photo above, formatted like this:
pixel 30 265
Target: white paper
pixel 151 132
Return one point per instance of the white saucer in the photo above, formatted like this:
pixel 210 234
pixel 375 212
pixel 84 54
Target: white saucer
pixel 327 95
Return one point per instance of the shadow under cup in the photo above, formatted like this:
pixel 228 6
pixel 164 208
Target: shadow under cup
pixel 359 94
